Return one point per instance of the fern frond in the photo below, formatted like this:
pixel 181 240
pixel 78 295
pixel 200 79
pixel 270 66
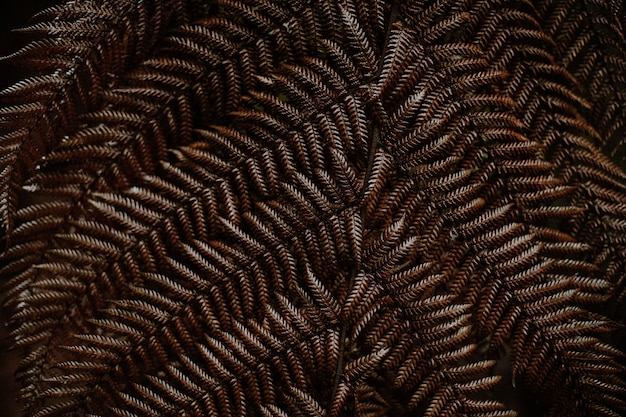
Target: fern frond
pixel 317 209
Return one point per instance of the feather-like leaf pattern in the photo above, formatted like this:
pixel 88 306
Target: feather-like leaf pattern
pixel 274 208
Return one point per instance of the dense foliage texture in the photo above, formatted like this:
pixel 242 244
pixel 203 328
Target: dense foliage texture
pixel 318 208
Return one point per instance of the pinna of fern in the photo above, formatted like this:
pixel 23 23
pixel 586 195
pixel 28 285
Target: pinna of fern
pixel 326 208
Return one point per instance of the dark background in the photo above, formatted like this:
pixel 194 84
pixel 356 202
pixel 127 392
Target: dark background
pixel 14 14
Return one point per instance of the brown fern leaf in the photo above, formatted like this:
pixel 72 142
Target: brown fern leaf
pixel 318 209
pixel 159 87
pixel 582 32
pixel 87 47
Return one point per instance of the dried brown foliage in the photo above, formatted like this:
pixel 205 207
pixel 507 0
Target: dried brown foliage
pixel 318 208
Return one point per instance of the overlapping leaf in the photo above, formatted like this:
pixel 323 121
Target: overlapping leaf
pixel 319 209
